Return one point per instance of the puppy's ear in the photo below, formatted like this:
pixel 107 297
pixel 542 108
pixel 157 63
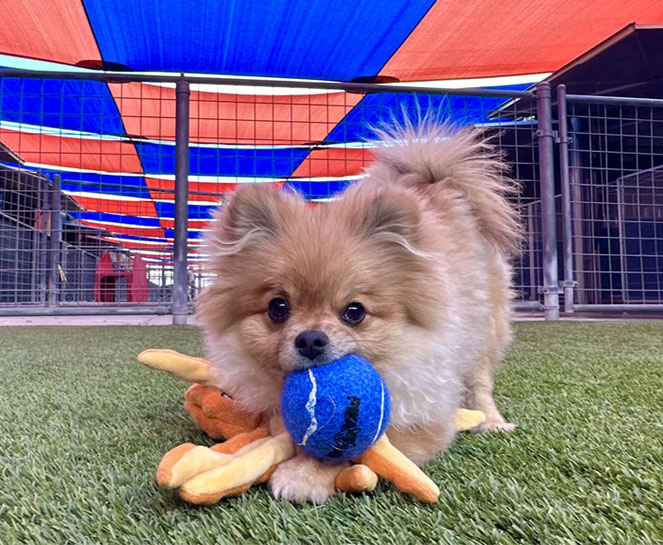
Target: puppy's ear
pixel 256 209
pixel 394 215
pixel 248 218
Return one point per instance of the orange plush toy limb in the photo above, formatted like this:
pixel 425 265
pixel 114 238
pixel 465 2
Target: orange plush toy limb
pixel 211 410
pixel 205 475
pixel 215 413
pixel 188 460
pixel 390 463
pixel 185 367
pixel 356 478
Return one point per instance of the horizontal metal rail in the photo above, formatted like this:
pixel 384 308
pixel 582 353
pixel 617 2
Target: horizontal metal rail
pixel 623 101
pixel 128 77
pixel 92 310
pixel 635 307
pixel 527 305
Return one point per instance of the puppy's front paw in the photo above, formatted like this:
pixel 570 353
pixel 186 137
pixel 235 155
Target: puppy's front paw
pixel 303 479
pixel 495 426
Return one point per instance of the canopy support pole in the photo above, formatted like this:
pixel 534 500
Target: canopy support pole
pixel 180 248
pixel 548 214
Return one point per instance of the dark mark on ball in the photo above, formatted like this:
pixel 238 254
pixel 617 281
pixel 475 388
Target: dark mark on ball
pixel 347 437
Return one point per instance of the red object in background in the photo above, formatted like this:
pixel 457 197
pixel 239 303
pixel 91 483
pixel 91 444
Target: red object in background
pixel 106 276
pixel 138 288
pixel 105 279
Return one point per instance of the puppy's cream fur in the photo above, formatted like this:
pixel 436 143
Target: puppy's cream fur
pixel 421 242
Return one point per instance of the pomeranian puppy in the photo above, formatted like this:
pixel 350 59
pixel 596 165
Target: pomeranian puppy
pixel 408 268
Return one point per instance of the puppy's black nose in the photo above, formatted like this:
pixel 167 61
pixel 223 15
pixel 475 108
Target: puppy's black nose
pixel 311 343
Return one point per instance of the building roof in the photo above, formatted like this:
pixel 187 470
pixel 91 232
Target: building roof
pixel 629 63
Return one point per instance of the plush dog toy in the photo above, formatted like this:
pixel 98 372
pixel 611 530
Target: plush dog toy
pixel 249 454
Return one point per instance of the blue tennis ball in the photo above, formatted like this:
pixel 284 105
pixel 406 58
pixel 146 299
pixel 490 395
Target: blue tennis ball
pixel 336 411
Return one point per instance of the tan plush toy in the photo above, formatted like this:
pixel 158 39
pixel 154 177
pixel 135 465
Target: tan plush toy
pixel 249 454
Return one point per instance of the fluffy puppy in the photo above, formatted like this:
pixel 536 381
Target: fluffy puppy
pixel 407 268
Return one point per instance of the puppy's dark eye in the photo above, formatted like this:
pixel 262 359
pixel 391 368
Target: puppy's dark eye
pixel 278 310
pixel 353 314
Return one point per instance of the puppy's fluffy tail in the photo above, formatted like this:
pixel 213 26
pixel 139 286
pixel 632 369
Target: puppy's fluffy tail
pixel 461 162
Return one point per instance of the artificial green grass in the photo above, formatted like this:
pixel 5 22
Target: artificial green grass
pixel 83 427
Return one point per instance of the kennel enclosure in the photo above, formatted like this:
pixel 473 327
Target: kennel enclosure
pixel 107 181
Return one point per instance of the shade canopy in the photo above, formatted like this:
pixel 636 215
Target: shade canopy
pixel 113 143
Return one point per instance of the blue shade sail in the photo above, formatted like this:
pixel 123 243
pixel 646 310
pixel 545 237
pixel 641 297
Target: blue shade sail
pixel 284 38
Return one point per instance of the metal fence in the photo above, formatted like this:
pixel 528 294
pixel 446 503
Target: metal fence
pixel 612 186
pixel 107 181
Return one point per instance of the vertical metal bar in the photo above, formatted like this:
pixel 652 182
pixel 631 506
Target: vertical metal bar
pixel 34 253
pixel 531 250
pixel 162 291
pixel 180 279
pixel 548 219
pixel 43 244
pixel 623 273
pixel 567 233
pixel 55 241
pixel 577 225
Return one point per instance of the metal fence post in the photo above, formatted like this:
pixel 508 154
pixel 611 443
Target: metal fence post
pixel 567 234
pixel 180 249
pixel 548 219
pixel 55 242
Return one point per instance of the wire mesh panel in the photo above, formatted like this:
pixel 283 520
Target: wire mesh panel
pixel 616 193
pixel 88 178
pixel 23 248
pixel 88 172
pixel 516 138
pixel 319 141
pixel 94 236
